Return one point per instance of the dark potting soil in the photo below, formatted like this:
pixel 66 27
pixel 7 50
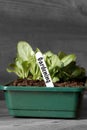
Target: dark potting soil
pixel 26 82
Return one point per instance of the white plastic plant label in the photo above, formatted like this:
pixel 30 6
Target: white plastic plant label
pixel 44 70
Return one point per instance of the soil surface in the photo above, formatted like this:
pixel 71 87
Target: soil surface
pixel 25 82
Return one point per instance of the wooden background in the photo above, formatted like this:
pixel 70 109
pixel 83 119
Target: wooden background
pixel 57 25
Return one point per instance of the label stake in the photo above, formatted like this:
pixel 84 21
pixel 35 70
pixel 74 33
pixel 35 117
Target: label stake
pixel 44 71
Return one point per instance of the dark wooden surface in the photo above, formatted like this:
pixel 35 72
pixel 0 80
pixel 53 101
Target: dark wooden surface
pixel 61 10
pixel 48 24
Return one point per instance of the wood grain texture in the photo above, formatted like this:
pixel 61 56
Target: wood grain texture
pixel 47 24
pixel 61 10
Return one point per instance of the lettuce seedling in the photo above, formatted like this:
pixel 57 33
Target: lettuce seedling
pixel 25 65
pixel 61 66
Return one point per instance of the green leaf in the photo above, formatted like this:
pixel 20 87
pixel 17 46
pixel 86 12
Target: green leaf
pixel 55 79
pixel 61 55
pixel 78 72
pixel 47 56
pixel 24 50
pixel 55 61
pixel 13 68
pixel 26 68
pixel 68 59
